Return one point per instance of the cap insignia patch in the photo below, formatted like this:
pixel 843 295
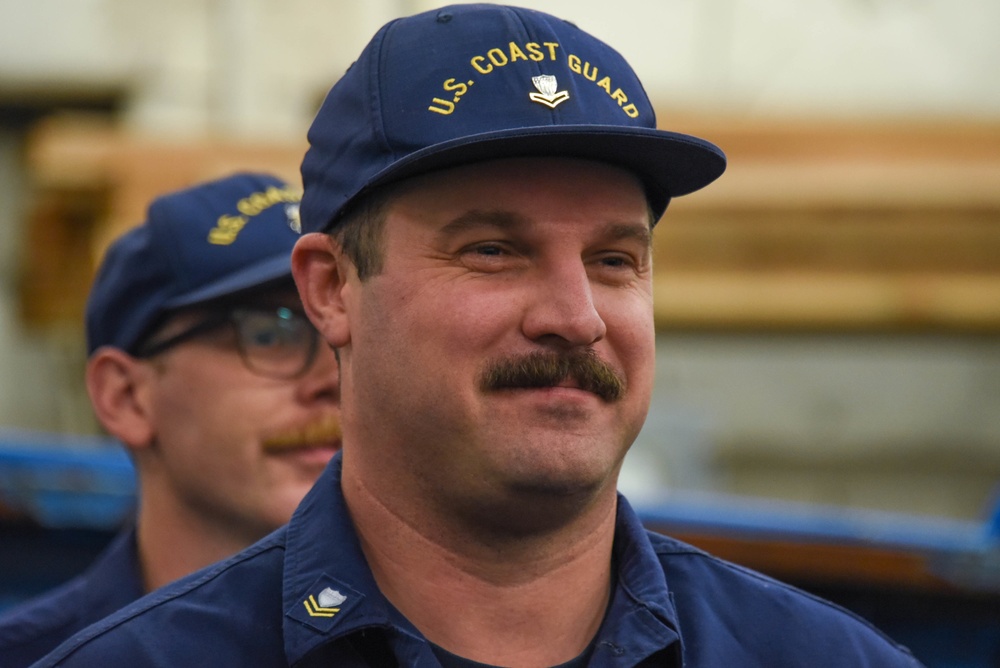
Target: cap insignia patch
pixel 547 91
pixel 292 213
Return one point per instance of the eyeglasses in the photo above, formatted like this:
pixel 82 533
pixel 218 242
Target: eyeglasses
pixel 277 343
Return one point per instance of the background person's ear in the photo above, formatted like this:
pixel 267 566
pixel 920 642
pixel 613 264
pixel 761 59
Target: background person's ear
pixel 119 389
pixel 320 270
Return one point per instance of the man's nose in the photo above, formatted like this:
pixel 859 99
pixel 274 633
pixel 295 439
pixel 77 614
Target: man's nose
pixel 561 306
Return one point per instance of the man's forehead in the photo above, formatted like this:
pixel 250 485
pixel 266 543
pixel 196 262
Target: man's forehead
pixel 638 229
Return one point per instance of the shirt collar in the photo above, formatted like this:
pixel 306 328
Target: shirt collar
pixel 641 619
pixel 115 579
pixel 329 591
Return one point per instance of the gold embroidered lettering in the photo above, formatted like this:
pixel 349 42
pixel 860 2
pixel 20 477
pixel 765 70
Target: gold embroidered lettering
pixel 445 106
pixel 252 205
pixel 590 72
pixel 257 202
pixel 477 63
pixel 497 57
pixel 226 229
pixel 459 88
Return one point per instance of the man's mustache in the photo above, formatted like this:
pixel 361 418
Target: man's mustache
pixel 548 369
pixel 323 431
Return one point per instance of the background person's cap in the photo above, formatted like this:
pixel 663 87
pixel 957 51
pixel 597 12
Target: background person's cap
pixel 197 245
pixel 469 83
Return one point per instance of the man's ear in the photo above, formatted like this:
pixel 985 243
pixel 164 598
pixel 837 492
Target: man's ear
pixel 118 385
pixel 320 270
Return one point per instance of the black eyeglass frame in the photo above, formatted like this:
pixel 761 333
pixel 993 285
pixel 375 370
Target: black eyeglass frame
pixel 233 317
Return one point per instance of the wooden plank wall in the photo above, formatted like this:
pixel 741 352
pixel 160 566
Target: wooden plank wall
pixel 817 225
pixel 838 226
pixel 92 181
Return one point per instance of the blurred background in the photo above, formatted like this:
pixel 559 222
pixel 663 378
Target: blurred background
pixel 828 313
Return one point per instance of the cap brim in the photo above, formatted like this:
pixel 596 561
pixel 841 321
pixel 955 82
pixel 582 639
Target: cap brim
pixel 255 276
pixel 670 164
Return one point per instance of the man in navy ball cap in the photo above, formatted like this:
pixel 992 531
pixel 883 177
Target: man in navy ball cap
pixel 481 189
pixel 203 365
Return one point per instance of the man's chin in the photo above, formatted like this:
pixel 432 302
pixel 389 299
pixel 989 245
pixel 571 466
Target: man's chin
pixel 535 509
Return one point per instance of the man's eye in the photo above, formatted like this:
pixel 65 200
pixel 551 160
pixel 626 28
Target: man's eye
pixel 265 337
pixel 617 260
pixel 488 249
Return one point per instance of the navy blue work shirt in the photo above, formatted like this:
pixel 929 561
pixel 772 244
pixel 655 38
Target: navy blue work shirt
pixel 34 628
pixel 304 596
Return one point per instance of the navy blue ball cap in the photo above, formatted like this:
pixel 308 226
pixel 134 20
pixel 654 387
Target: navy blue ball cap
pixel 469 83
pixel 204 243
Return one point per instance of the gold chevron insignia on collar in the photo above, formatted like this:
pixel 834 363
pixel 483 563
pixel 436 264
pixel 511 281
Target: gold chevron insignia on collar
pixel 324 604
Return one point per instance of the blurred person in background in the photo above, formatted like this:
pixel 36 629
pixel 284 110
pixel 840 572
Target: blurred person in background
pixel 203 365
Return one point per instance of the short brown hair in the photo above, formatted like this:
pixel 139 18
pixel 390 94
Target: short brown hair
pixel 359 233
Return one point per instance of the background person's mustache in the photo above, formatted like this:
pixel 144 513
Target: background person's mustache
pixel 548 369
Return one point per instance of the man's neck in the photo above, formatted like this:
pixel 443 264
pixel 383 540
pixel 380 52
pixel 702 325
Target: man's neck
pixel 173 543
pixel 530 600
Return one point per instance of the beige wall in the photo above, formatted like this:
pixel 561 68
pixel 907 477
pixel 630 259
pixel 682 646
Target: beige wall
pixel 259 66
